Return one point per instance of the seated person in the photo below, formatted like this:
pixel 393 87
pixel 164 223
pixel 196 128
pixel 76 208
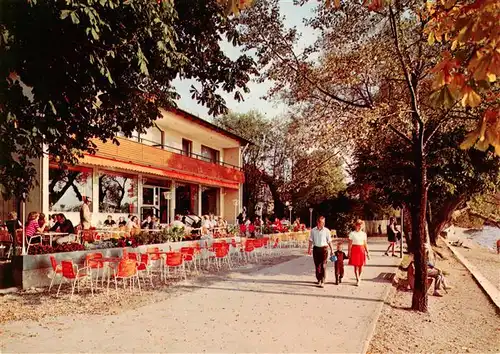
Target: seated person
pixel 133 223
pixel 52 220
pixel 13 224
pixel 147 223
pixel 122 222
pixel 432 274
pixel 32 226
pixel 64 225
pixel 109 222
pixel 42 222
pixel 205 225
pixel 155 224
pixel 177 222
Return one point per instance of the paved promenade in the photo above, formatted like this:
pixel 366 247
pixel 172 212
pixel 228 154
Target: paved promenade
pixel 275 309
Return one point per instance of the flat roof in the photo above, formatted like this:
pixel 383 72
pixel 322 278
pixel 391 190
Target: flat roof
pixel 212 126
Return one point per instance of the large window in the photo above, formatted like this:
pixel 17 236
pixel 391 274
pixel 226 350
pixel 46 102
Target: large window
pixel 187 147
pixel 209 154
pixel 68 187
pixel 186 199
pixel 210 200
pixel 117 193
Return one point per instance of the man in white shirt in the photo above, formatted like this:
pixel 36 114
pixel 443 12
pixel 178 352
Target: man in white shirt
pixel 320 240
pixel 177 222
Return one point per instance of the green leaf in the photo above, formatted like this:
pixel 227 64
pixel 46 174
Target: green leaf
pixel 65 13
pixel 5 37
pixel 94 34
pixel 143 62
pixel 108 76
pixel 53 107
pixel 74 18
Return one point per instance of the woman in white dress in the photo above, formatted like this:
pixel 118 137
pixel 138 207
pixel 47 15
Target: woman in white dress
pixel 358 250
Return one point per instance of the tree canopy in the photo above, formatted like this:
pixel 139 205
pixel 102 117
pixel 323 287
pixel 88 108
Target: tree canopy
pixel 455 176
pixel 284 165
pixel 83 69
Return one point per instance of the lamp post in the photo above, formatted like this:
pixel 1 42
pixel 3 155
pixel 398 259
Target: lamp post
pixel 235 203
pixel 402 232
pixel 168 196
pixel 23 251
pixel 311 218
pixel 289 206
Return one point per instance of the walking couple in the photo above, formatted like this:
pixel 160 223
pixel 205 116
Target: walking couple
pixel 320 241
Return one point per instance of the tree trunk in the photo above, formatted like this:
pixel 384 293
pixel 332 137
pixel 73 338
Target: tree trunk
pixel 443 216
pixel 408 234
pixel 279 206
pixel 419 300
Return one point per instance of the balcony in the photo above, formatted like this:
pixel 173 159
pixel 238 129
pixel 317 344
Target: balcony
pixel 171 161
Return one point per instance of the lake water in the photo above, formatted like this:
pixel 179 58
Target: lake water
pixel 487 237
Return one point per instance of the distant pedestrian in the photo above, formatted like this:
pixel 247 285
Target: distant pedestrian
pixel 320 240
pixel 391 236
pixel 85 215
pixel 338 264
pixel 358 250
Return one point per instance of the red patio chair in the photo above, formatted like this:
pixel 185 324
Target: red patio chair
pixel 174 260
pixel 74 275
pixel 222 256
pixel 132 256
pixel 258 244
pixel 57 268
pixel 126 270
pixel 144 269
pixel 155 258
pixel 93 263
pixel 189 256
pixel 249 249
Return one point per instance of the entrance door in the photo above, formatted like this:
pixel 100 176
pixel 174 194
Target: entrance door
pixel 164 206
pixel 149 202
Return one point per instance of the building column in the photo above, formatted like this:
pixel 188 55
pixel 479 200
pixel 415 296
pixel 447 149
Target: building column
pixel 199 198
pixel 139 195
pixel 44 184
pixel 95 191
pixel 172 201
pixel 222 194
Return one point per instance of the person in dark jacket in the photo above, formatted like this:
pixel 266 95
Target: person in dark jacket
pixel 63 225
pixel 340 256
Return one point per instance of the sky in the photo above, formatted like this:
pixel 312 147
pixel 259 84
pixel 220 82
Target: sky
pixel 295 16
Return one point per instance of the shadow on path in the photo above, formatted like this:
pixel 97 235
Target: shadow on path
pixel 382 278
pixel 193 287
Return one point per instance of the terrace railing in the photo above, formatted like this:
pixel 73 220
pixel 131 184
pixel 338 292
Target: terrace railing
pixel 182 152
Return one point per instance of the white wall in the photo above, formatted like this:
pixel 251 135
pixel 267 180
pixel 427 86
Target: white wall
pixel 173 139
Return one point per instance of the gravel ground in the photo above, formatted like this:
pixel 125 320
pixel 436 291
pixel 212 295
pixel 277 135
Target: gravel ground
pixel 38 304
pixel 462 321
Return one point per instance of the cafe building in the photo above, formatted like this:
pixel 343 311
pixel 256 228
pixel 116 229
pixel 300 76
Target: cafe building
pixel 181 165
